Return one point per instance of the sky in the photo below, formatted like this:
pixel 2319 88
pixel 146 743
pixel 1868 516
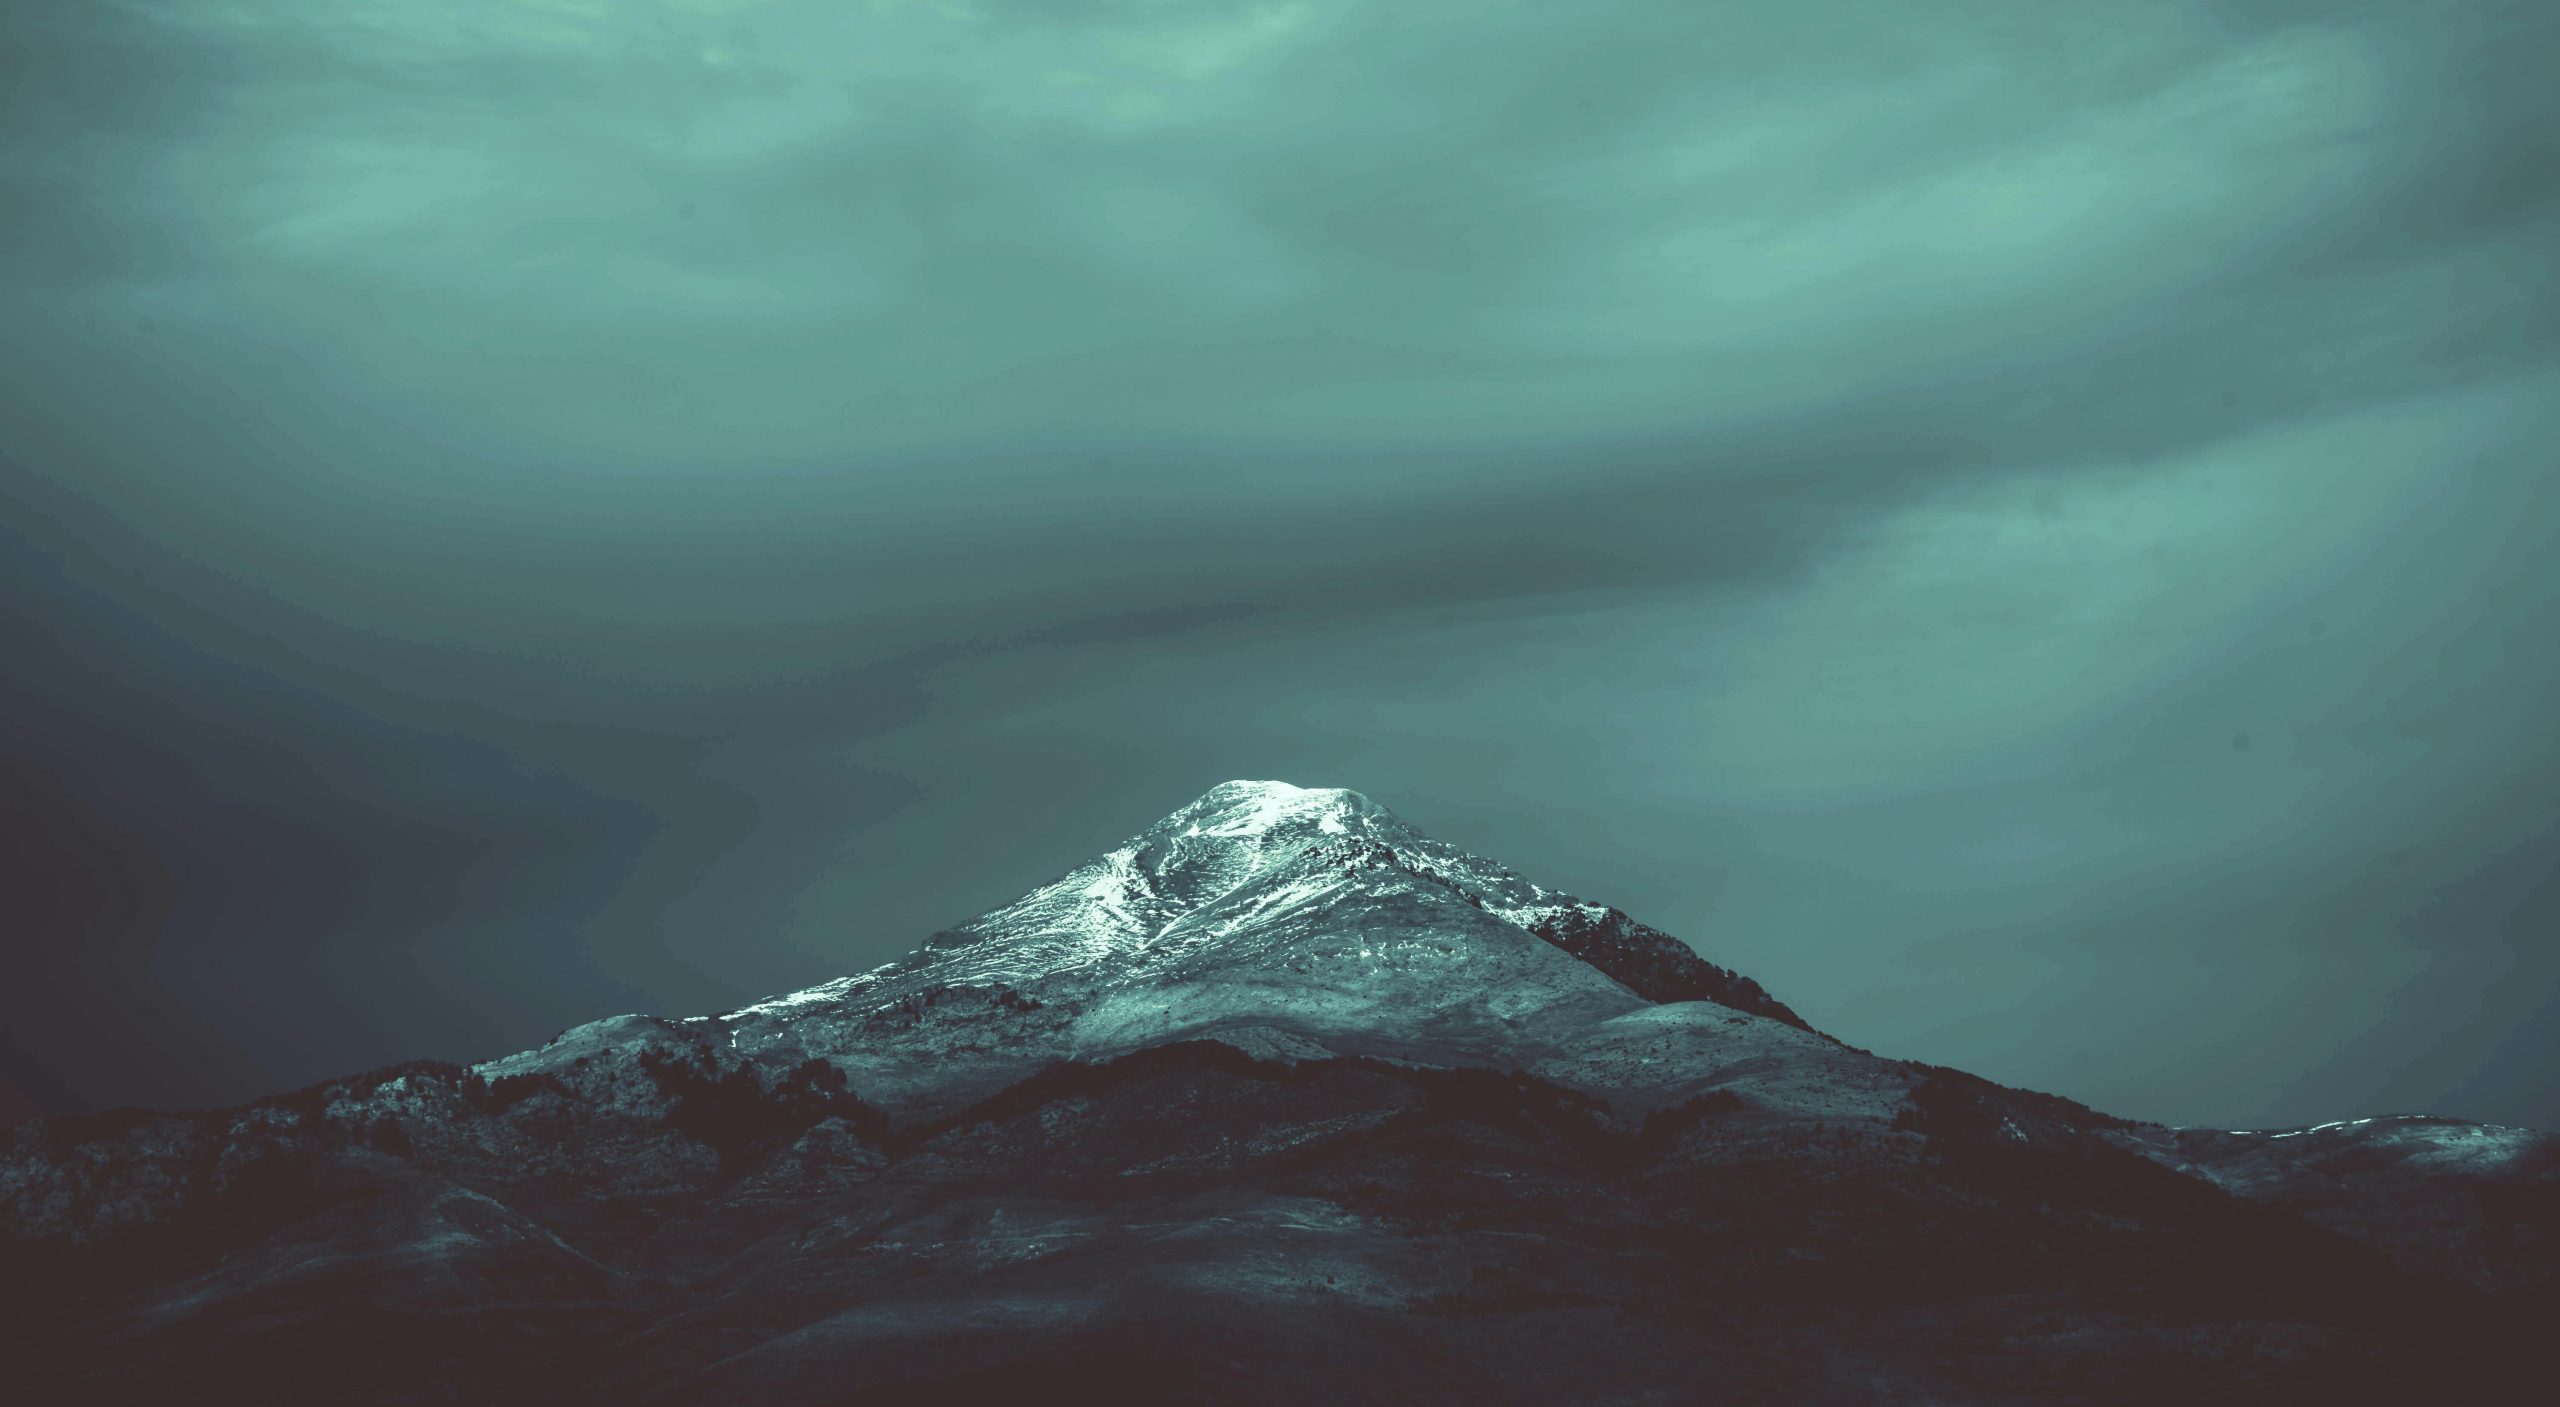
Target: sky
pixel 2028 526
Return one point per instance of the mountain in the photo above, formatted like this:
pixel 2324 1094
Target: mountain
pixel 1278 1101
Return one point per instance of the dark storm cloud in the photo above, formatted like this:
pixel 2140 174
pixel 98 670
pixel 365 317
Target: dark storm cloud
pixel 83 95
pixel 540 507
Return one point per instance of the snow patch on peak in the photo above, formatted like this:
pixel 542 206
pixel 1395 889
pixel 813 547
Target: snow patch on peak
pixel 1116 884
pixel 1240 810
pixel 824 992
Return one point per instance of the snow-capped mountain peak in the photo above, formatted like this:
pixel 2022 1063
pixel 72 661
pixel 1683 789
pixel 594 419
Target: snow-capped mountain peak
pixel 1125 905
pixel 1243 809
pixel 1234 834
pixel 1310 909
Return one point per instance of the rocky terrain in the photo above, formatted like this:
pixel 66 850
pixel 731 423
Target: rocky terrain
pixel 1279 1101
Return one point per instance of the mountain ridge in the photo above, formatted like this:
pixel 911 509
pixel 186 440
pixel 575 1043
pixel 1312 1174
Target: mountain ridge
pixel 1125 905
pixel 1276 1060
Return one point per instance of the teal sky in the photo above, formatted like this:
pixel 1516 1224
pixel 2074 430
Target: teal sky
pixel 2031 528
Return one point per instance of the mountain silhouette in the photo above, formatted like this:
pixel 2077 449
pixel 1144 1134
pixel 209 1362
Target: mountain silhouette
pixel 1277 1101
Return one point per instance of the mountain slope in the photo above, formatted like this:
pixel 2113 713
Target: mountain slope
pixel 1278 1100
pixel 1282 918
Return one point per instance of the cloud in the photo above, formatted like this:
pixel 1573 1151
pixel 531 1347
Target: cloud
pixel 1545 221
pixel 827 464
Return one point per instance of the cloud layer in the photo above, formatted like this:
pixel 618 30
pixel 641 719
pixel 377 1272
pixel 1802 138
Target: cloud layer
pixel 2026 527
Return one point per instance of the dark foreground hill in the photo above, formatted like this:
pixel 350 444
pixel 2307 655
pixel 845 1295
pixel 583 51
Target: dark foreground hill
pixel 1278 1102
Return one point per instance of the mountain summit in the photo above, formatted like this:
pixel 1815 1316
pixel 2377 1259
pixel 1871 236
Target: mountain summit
pixel 1260 912
pixel 1261 874
pixel 1279 1100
